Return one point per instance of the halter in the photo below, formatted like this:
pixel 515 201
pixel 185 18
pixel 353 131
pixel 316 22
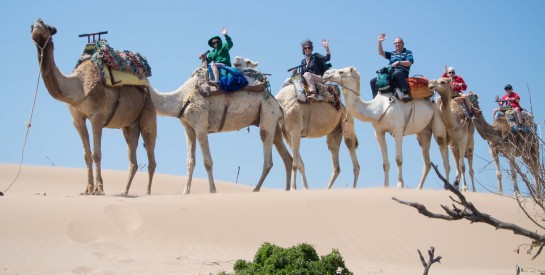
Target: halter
pixel 42 48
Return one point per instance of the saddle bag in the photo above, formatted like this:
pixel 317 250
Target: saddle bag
pixel 419 87
pixel 384 79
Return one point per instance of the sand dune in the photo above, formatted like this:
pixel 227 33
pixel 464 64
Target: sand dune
pixel 48 228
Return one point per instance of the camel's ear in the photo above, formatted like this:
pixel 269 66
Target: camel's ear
pixel 352 69
pixel 52 30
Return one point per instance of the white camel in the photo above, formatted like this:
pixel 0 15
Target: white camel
pixel 387 114
pixel 223 113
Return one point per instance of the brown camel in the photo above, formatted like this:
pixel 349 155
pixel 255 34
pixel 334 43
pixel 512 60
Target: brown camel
pixel 223 113
pixel 460 131
pixel 317 119
pixel 510 144
pixel 128 108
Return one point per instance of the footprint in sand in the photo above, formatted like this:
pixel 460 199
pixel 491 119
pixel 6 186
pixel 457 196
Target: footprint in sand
pixel 82 233
pixel 123 217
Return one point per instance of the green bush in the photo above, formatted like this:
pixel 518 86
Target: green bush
pixel 299 259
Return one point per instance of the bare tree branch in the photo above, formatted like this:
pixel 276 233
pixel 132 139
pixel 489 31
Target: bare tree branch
pixel 471 213
pixel 427 265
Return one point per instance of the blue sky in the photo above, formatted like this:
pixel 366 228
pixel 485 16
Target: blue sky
pixel 489 43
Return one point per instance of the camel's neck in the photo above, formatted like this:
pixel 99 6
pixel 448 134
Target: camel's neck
pixel 170 104
pixel 60 87
pixel 486 130
pixel 369 111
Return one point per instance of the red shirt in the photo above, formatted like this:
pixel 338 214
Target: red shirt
pixel 510 98
pixel 458 84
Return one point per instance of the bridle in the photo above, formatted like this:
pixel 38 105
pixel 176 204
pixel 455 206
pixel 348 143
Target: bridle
pixel 42 48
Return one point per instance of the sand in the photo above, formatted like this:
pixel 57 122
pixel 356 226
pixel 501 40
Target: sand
pixel 48 228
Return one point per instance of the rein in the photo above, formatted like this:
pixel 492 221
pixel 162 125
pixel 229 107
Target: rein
pixel 29 123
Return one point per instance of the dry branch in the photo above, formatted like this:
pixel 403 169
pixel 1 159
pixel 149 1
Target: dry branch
pixel 463 209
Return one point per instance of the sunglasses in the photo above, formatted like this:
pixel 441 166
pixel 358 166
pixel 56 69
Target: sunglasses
pixel 307 48
pixel 450 73
pixel 215 41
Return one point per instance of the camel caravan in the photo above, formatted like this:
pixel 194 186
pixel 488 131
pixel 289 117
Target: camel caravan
pixel 111 89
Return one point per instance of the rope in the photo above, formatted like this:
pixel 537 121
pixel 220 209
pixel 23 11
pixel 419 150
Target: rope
pixel 29 123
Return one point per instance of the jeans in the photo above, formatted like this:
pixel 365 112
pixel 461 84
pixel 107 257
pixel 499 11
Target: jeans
pixel 399 76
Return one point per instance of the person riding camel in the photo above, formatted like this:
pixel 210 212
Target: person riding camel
pixel 219 56
pixel 312 67
pixel 458 85
pixel 510 99
pixel 401 60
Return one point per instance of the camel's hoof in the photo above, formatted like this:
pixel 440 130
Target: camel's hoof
pixel 212 191
pixel 255 190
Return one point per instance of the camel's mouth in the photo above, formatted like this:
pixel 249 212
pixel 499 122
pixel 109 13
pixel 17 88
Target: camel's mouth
pixel 41 32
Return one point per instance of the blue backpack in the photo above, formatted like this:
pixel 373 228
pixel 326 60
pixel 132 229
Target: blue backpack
pixel 384 79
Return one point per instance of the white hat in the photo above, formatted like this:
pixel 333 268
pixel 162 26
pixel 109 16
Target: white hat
pixel 451 69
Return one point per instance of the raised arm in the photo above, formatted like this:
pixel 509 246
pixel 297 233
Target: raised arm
pixel 381 38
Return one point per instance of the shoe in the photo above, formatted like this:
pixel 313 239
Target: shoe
pixel 319 97
pixel 520 128
pixel 311 98
pixel 471 115
pixel 406 97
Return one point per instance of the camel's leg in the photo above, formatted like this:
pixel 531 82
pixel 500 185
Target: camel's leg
pixel 440 136
pixel 494 153
pixel 148 128
pixel 399 159
pixel 284 154
pixel 202 137
pixel 384 150
pixel 333 141
pixel 456 154
pixel 351 142
pixel 267 136
pixel 469 156
pixel 96 124
pixel 295 144
pixel 424 139
pixel 131 133
pixel 514 174
pixel 191 142
pixel 462 147
pixel 301 168
pixel 81 127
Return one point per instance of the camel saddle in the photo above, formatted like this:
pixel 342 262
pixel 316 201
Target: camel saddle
pixel 461 101
pixel 418 86
pixel 329 91
pixel 528 125
pixel 116 68
pixel 257 82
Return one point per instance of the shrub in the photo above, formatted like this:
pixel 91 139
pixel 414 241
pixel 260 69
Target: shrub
pixel 299 259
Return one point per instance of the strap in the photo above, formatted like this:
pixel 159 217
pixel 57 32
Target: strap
pixel 183 109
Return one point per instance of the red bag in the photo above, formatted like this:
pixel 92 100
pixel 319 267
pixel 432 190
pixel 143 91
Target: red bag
pixel 419 87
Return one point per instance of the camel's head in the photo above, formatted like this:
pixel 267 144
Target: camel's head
pixel 240 62
pixel 441 86
pixel 342 76
pixel 41 32
pixel 474 98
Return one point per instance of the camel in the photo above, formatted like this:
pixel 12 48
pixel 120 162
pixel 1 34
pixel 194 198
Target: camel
pixel 460 131
pixel 223 113
pixel 388 114
pixel 313 120
pixel 503 140
pixel 128 108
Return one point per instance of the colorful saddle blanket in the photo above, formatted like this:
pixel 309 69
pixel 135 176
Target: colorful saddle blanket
pixel 528 124
pixel 329 91
pixel 231 82
pixel 117 68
